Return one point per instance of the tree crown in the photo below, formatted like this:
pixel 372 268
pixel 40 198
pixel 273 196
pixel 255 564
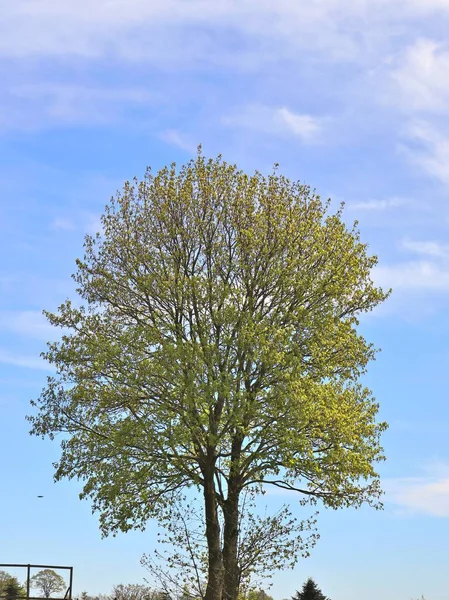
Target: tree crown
pixel 217 331
pixel 48 581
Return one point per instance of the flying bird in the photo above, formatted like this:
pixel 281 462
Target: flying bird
pixel 40 496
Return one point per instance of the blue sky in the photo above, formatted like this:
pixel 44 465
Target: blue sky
pixel 348 96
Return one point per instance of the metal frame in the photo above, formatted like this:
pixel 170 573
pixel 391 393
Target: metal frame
pixel 67 595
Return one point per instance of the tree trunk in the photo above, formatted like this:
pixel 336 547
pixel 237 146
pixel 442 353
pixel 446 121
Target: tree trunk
pixel 230 546
pixel 214 589
pixel 231 524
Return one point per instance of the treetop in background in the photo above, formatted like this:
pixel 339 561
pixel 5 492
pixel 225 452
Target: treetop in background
pixel 310 591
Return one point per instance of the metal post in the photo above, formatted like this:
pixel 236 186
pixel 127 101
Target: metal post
pixel 70 583
pixel 28 581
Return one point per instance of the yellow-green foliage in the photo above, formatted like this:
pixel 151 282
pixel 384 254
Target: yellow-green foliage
pixel 217 307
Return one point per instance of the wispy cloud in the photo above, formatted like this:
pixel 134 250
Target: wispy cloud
pixel 92 223
pixel 416 84
pixel 28 323
pixel 428 148
pixel 267 38
pixel 34 106
pixel 428 276
pixel 306 127
pixel 139 29
pixel 277 121
pixel 427 248
pixel 421 79
pixel 23 360
pixel 178 139
pixel 428 495
pixel 379 205
pixel 63 224
pixel 413 276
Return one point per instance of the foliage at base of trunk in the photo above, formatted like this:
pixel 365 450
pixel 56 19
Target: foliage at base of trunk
pixel 266 543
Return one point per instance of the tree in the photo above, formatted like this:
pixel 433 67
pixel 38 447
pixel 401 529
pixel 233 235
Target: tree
pixel 310 591
pixel 14 590
pixel 48 582
pixel 258 595
pixel 133 591
pixel 10 588
pixel 85 596
pixel 216 349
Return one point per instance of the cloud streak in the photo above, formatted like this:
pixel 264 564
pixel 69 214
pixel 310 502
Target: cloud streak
pixel 139 29
pixel 27 323
pixel 427 495
pixel 34 106
pixel 23 361
pixel 427 248
pixel 178 139
pixel 379 205
pixel 413 276
pixel 427 146
pixel 277 122
pixel 421 79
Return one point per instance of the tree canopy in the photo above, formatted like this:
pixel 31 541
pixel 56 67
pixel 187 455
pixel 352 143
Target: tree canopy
pixel 10 588
pixel 258 594
pixel 48 582
pixel 134 591
pixel 215 347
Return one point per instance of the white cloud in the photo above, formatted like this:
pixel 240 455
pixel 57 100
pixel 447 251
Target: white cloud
pixel 29 323
pixel 277 121
pixel 379 205
pixel 130 29
pixel 139 29
pixel 429 248
pixel 413 276
pixel 252 35
pixel 419 88
pixel 33 106
pixel 72 93
pixel 62 223
pixel 92 223
pixel 427 495
pixel 421 81
pixel 152 30
pixel 176 138
pixel 428 148
pixel 25 361
pixel 304 126
pixel 420 495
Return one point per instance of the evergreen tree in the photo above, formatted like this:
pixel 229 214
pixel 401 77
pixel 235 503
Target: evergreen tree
pixel 14 590
pixel 10 587
pixel 310 591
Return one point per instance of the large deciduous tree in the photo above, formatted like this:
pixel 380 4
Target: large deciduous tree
pixel 48 582
pixel 215 348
